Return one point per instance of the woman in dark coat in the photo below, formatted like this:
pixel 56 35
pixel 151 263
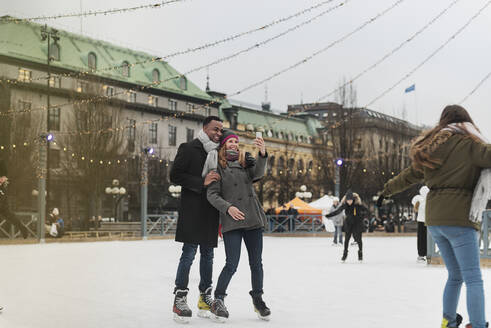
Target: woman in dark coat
pixel 242 218
pixel 353 225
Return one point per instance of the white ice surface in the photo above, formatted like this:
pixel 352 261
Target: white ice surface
pixel 129 284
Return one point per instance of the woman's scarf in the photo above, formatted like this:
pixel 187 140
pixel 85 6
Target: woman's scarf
pixel 210 147
pixel 231 155
pixel 482 191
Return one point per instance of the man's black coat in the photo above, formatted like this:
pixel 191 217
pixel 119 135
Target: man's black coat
pixel 198 220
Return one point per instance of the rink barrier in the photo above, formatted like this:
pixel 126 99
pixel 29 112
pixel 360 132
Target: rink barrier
pixel 433 254
pixel 28 219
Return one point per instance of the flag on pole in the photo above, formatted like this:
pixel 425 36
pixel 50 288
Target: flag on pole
pixel 410 88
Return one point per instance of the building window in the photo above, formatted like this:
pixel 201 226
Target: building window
pixel 55 82
pixel 270 165
pixel 54 158
pixel 131 135
pixel 156 76
pixel 54 119
pixel 183 83
pixel 25 107
pixel 24 75
pixel 125 69
pixel 108 90
pixel 190 108
pixel 54 51
pixel 82 86
pixel 153 101
pixel 172 135
pixel 172 105
pixel 153 133
pixel 300 167
pixel 92 61
pixel 131 96
pixel 309 167
pixel 281 165
pixel 189 134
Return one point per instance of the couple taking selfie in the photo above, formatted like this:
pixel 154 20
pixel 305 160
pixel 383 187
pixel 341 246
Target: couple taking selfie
pixel 217 186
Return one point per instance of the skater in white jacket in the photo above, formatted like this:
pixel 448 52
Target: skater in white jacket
pixel 419 203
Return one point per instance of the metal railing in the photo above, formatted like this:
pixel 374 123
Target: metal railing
pixel 484 242
pixel 28 219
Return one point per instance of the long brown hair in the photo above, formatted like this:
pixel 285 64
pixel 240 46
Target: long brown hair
pixel 424 145
pixel 222 159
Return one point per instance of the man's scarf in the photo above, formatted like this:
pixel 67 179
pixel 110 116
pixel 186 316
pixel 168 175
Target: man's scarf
pixel 210 147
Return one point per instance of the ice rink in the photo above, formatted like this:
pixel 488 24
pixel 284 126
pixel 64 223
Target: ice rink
pixel 129 284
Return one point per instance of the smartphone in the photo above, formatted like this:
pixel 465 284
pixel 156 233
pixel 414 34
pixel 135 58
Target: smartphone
pixel 259 134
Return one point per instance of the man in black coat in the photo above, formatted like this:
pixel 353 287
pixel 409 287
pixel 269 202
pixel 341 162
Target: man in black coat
pixel 197 225
pixel 5 213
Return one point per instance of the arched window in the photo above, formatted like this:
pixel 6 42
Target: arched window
pixel 291 165
pixel 300 167
pixel 183 83
pixel 156 76
pixel 54 51
pixel 281 166
pixel 270 164
pixel 92 60
pixel 309 167
pixel 125 69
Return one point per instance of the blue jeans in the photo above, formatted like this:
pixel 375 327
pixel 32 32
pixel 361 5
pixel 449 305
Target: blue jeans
pixel 253 240
pixel 338 233
pixel 205 266
pixel 459 248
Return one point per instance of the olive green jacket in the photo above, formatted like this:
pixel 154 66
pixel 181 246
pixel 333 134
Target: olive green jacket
pixel 451 183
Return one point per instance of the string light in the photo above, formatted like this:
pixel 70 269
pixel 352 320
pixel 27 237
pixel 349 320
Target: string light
pixel 190 50
pixel 318 52
pixel 390 53
pixel 434 53
pixel 91 12
pixel 475 88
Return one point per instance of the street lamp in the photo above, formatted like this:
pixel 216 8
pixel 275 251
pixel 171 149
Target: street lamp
pixel 116 191
pixel 303 193
pixel 337 177
pixel 175 191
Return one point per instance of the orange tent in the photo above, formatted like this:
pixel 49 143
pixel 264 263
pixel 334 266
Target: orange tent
pixel 301 206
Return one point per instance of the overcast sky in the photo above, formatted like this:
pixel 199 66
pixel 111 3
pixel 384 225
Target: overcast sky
pixel 446 78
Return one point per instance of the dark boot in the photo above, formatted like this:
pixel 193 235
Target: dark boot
pixel 345 255
pixel 182 312
pixel 458 321
pixel 263 312
pixel 360 255
pixel 219 310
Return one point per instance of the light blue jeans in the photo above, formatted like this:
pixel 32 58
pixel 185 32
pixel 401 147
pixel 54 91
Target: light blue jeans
pixel 459 248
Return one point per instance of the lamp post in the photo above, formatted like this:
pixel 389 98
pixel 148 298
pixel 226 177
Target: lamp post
pixel 47 35
pixel 116 191
pixel 337 176
pixel 144 189
pixel 303 193
pixel 175 191
pixel 44 141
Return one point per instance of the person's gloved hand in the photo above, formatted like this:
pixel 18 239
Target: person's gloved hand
pixel 250 161
pixel 380 200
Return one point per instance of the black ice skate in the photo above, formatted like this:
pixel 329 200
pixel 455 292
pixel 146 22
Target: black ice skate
pixel 470 326
pixel 182 312
pixel 219 311
pixel 345 255
pixel 263 312
pixel 458 322
pixel 204 303
pixel 360 256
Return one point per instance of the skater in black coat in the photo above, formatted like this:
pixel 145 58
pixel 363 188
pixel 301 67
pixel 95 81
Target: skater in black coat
pixel 353 225
pixel 197 224
pixel 5 212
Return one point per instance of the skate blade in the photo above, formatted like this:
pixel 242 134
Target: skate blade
pixel 204 313
pixel 182 320
pixel 265 318
pixel 218 319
